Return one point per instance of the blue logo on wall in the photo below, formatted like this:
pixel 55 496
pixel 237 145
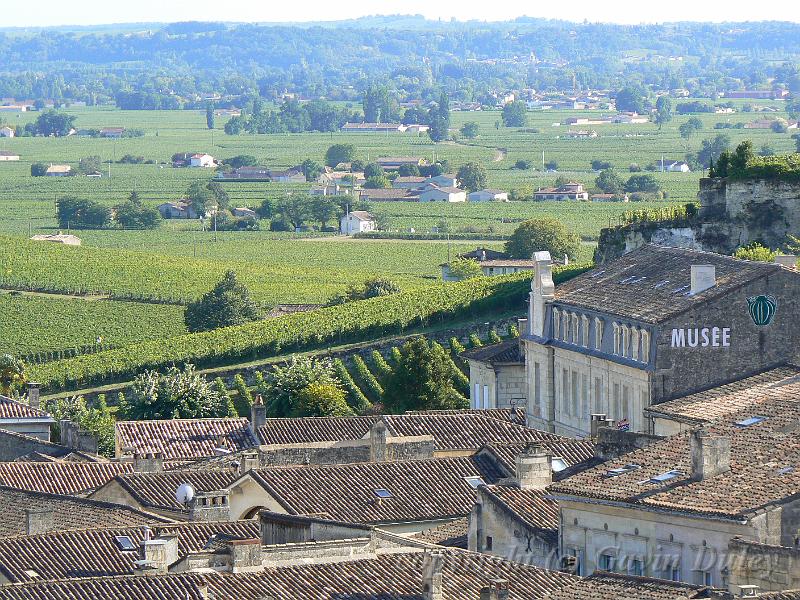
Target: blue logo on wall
pixel 762 309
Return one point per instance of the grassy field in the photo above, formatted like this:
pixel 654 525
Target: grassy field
pixel 178 262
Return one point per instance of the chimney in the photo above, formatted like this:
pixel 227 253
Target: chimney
pixel 72 436
pixel 33 394
pixel 248 461
pixel 258 415
pixel 38 521
pixel 432 587
pixel 785 260
pixel 496 590
pixel 534 468
pixel 703 278
pixel 542 291
pixel 245 555
pixel 148 462
pixel 377 441
pixel 597 421
pixel 156 556
pixel 711 454
pixel 210 506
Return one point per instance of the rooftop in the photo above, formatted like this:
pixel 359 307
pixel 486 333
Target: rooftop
pixel 502 353
pixel 157 490
pixel 613 586
pixel 535 508
pixel 185 439
pixel 12 409
pixel 60 477
pixel 764 466
pixel 452 534
pixel 651 283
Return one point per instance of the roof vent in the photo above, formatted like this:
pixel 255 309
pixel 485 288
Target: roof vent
pixel 703 278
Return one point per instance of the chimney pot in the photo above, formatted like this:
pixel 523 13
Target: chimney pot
pixel 258 415
pixel 542 291
pixel 534 468
pixel 432 587
pixel 148 462
pixel 377 441
pixel 710 454
pixel 703 277
pixel 33 394
pixel 210 506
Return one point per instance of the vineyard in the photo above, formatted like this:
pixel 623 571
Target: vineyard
pixel 350 322
pixel 40 328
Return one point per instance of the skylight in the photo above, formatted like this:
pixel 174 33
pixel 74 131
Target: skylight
pixel 475 481
pixel 785 470
pixel 383 494
pixel 661 284
pixel 622 470
pixel 558 464
pixel 124 542
pixel 751 421
pixel 664 477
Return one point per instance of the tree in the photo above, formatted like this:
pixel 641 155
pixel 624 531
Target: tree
pixel 229 303
pixel 439 119
pixel 210 116
pixel 200 197
pixel 38 169
pixel 642 183
pixel 470 130
pixel 600 165
pixel 295 209
pixel 767 150
pixel 408 170
pixel 631 99
pixel 756 252
pixel 609 182
pixel 241 160
pixel 464 268
pixel 542 234
pixel 423 378
pixel 311 169
pixel 319 399
pixel 523 164
pixel 741 156
pixel 12 374
pixel 175 394
pixel 288 393
pixel 795 137
pixel 52 122
pixel 133 215
pixel 663 111
pixel 77 212
pixel 98 419
pixel 377 104
pixel 235 126
pixel 377 182
pixel 690 127
pixel 340 153
pixel 89 165
pixel 793 107
pixel 323 209
pixel 373 170
pixel 372 287
pixel 712 148
pixel 515 114
pixel 472 176
pixel 221 197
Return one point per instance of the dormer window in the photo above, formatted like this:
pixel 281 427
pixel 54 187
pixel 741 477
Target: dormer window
pixel 584 331
pixel 556 323
pixel 598 333
pixel 635 336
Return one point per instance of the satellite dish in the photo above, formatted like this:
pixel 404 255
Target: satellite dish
pixel 185 493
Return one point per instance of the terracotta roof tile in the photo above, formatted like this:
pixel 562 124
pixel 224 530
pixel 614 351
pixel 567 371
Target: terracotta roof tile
pixel 534 507
pixel 60 477
pixel 504 352
pixel 421 490
pixel 95 552
pixel 11 409
pixel 612 586
pixel 185 439
pixel 575 453
pixel 69 512
pixel 452 534
pixel 659 289
pixel 157 490
pixel 765 465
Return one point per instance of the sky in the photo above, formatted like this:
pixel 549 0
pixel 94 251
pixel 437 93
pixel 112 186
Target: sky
pixel 93 12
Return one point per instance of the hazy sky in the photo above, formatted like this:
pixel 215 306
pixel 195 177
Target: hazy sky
pixel 89 12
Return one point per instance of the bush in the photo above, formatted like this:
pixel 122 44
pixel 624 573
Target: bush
pixel 523 165
pixel 227 304
pixel 464 268
pixel 339 153
pixel 38 169
pixel 642 183
pixel 756 252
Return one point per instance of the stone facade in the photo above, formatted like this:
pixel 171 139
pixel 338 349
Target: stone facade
pixel 497 386
pixel 770 567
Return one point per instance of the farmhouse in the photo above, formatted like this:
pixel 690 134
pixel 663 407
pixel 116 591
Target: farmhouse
pixel 435 193
pixel 112 132
pixel 487 195
pixel 244 212
pixel 372 128
pixel 673 166
pixel 201 160
pixel 58 238
pixel 7 132
pixel 180 209
pixel 630 118
pixel 392 163
pixel 388 195
pixel 357 221
pixel 7 155
pixel 568 191
pixel 409 182
pixel 657 324
pixel 58 171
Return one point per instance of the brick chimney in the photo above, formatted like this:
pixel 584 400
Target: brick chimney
pixel 258 416
pixel 148 462
pixel 496 590
pixel 156 555
pixel 432 586
pixel 534 468
pixel 703 277
pixel 245 555
pixel 377 441
pixel 711 454
pixel 38 521
pixel 210 506
pixel 33 394
pixel 542 291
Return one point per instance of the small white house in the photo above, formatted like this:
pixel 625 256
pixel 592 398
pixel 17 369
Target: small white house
pixel 488 195
pixel 201 160
pixel 58 171
pixel 673 166
pixel 8 155
pixel 356 222
pixel 244 212
pixel 7 132
pixel 434 193
pixel 443 180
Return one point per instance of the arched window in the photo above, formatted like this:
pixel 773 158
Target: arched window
pixel 598 333
pixel 584 331
pixel 645 346
pixel 635 335
pixel 556 323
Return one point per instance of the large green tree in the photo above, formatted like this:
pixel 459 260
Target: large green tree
pixel 229 303
pixel 12 374
pixel 609 182
pixel 515 114
pixel 423 378
pixel 472 176
pixel 542 234
pixel 663 111
pixel 340 153
pixel 632 98
pixel 305 387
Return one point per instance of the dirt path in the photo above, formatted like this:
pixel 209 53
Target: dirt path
pixel 344 238
pixel 88 297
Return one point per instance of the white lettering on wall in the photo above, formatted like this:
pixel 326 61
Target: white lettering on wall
pixel 693 337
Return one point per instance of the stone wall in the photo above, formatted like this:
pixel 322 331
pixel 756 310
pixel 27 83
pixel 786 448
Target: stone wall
pixel 13 446
pixel 771 568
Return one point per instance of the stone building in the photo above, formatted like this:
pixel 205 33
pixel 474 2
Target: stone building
pixel 497 376
pixel 651 326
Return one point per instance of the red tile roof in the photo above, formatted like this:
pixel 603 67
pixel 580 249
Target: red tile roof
pixel 535 508
pixel 613 586
pixel 157 490
pixel 60 477
pixel 11 409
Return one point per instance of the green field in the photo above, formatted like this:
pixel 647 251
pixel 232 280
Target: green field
pixel 179 261
pixel 33 324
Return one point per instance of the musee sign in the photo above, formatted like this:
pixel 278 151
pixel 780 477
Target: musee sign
pixel 703 337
